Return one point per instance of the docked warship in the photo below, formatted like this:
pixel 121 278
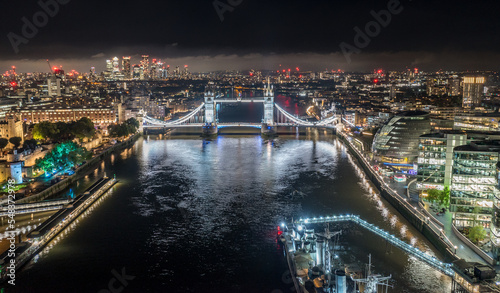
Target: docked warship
pixel 316 267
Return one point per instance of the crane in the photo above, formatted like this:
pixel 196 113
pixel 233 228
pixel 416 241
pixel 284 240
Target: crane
pixel 50 67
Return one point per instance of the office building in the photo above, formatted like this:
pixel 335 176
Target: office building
pixel 478 122
pixel 396 143
pixel 126 67
pixel 473 90
pixel 109 67
pixel 474 188
pixel 137 72
pixel 145 67
pixel 435 159
pixel 100 116
pixel 116 66
pixel 53 86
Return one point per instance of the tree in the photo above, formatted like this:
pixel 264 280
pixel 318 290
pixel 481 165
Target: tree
pixel 16 141
pixel 83 128
pixel 44 130
pixel 433 195
pixel 64 156
pixel 30 144
pixel 444 197
pixel 63 132
pixel 133 122
pixel 3 143
pixel 128 127
pixel 476 234
pixel 440 197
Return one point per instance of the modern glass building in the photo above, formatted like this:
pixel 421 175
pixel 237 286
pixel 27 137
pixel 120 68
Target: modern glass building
pixel 435 159
pixel 477 122
pixel 474 189
pixel 396 143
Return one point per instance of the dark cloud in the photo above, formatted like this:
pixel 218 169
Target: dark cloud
pixel 91 30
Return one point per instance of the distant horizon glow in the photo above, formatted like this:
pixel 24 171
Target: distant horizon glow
pixel 364 62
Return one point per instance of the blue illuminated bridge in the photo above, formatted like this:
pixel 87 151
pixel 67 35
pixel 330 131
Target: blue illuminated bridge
pixel 417 253
pixel 269 122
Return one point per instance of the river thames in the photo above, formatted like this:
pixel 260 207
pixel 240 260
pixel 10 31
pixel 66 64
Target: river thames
pixel 200 216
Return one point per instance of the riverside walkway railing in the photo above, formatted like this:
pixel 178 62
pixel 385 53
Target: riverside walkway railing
pixel 403 201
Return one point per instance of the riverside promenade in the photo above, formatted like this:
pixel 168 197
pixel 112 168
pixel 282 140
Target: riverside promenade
pixel 442 235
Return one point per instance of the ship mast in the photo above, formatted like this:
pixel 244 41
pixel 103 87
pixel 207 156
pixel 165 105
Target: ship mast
pixel 373 281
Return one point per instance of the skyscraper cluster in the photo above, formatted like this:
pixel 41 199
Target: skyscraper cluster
pixel 147 69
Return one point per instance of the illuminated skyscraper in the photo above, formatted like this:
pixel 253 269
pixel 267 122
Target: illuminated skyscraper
pixel 53 86
pixel 161 70
pixel 137 73
pixel 454 87
pixel 116 65
pixel 473 91
pixel 154 70
pixel 126 67
pixel 145 66
pixel 109 67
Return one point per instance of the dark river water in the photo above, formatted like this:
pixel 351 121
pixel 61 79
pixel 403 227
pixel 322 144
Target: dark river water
pixel 195 216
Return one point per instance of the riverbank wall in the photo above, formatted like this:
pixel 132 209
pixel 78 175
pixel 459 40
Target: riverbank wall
pixel 422 224
pixel 79 173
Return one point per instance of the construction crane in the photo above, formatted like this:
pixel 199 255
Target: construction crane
pixel 50 67
pixel 55 70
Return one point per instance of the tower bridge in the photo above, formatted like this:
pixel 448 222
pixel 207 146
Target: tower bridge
pixel 274 115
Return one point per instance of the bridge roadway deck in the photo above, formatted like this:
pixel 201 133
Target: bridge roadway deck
pixel 430 260
pixel 237 124
pixel 258 100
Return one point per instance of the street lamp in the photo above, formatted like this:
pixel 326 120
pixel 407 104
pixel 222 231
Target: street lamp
pixel 455 249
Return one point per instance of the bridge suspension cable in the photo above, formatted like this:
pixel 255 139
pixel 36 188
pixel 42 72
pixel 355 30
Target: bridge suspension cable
pixel 301 122
pixel 176 122
pixel 292 118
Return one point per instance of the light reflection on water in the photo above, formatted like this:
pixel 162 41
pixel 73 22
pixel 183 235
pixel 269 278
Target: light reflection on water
pixel 246 183
pixel 200 216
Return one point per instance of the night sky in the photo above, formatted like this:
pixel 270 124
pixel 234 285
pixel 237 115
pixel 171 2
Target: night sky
pixel 256 34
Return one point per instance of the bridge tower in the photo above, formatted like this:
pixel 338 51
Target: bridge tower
pixel 268 121
pixel 209 106
pixel 210 126
pixel 140 118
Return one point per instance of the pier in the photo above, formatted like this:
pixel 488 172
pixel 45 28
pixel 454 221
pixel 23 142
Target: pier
pixel 445 268
pixel 48 230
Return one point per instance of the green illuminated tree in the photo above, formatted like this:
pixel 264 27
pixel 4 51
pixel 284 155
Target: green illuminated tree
pixel 476 234
pixel 444 197
pixel 64 156
pixel 433 195
pixel 45 130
